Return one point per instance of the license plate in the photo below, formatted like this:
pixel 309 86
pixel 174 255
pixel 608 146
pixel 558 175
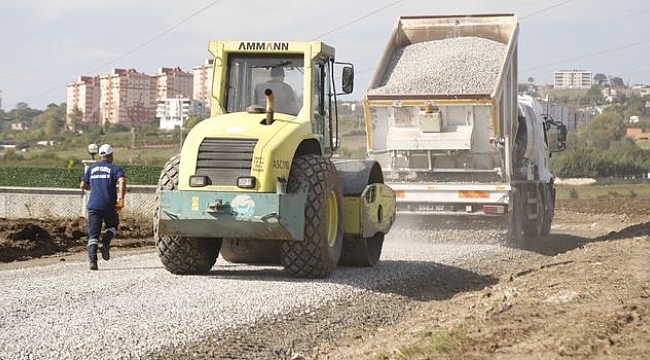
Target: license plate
pixel 431 208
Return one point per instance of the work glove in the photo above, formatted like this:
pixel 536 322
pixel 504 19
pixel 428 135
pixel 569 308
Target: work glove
pixel 119 205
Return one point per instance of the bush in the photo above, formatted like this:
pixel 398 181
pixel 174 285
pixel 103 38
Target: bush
pixel 65 177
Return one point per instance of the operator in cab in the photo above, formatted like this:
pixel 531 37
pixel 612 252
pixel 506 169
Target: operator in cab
pixel 285 99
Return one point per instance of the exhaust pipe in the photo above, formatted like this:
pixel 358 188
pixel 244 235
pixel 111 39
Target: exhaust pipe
pixel 270 99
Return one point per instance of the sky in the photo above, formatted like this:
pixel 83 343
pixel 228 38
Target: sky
pixel 47 44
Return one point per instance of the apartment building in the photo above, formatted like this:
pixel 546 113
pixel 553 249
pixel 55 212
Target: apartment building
pixel 83 99
pixel 572 79
pixel 173 83
pixel 127 97
pixel 203 83
pixel 173 112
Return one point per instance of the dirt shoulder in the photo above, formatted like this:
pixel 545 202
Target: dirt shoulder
pixel 22 241
pixel 587 298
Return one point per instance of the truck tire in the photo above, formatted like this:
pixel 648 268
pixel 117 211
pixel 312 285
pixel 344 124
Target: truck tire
pixel 246 251
pixel 362 252
pixel 181 255
pixel 515 222
pixel 534 205
pixel 549 208
pixel 317 255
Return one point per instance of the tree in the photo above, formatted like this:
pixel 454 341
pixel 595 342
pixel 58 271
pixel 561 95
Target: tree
pixel 635 107
pixel 600 79
pixel 51 121
pixel 617 82
pixel 594 95
pixel 600 149
pixel 75 119
pixel 23 113
pixel 610 123
pixel 191 122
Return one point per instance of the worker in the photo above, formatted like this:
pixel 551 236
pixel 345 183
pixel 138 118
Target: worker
pixel 107 184
pixel 285 99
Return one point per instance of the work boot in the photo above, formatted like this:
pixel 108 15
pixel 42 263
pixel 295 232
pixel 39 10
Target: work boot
pixel 106 255
pixel 93 265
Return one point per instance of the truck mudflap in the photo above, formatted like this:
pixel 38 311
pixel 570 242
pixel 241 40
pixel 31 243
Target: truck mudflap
pixel 232 215
pixel 452 199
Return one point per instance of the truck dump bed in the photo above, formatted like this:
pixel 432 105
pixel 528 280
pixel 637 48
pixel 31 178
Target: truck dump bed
pixel 426 55
pixel 441 111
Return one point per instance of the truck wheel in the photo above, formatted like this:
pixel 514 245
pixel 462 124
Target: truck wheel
pixel 362 252
pixel 533 227
pixel 549 209
pixel 181 255
pixel 515 225
pixel 317 255
pixel 248 251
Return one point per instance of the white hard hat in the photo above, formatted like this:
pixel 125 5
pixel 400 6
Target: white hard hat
pixel 105 150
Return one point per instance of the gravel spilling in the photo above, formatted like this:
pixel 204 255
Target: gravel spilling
pixel 133 308
pixel 462 65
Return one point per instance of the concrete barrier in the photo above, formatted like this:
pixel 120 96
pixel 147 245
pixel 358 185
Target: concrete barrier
pixel 48 203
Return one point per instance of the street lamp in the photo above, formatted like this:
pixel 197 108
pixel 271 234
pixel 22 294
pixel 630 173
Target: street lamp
pixel 93 149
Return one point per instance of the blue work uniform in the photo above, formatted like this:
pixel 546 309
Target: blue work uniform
pixel 102 178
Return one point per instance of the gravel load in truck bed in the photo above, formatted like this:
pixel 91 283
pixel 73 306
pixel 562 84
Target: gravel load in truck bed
pixel 462 65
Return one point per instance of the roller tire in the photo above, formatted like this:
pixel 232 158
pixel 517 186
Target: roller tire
pixel 317 255
pixel 362 252
pixel 181 255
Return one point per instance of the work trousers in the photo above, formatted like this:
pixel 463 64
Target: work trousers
pixel 97 218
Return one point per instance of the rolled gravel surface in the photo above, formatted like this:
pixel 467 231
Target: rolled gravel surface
pixel 133 309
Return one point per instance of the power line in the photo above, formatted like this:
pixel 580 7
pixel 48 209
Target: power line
pixel 16 39
pixel 521 18
pixel 635 72
pixel 357 20
pixel 594 53
pixel 145 43
pixel 616 19
pixel 545 9
pixel 590 55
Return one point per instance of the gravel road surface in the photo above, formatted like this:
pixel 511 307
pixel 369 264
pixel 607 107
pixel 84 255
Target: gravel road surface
pixel 133 309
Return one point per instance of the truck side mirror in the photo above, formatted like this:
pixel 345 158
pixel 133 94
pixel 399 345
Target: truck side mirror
pixel 561 133
pixel 347 79
pixel 561 137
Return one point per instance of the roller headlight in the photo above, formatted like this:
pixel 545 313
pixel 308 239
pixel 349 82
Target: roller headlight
pixel 199 180
pixel 246 182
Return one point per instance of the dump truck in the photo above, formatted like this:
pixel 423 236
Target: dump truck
pixel 255 182
pixel 444 120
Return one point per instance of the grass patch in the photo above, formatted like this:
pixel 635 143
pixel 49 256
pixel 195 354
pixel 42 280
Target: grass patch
pixel 430 344
pixel 602 191
pixel 51 157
